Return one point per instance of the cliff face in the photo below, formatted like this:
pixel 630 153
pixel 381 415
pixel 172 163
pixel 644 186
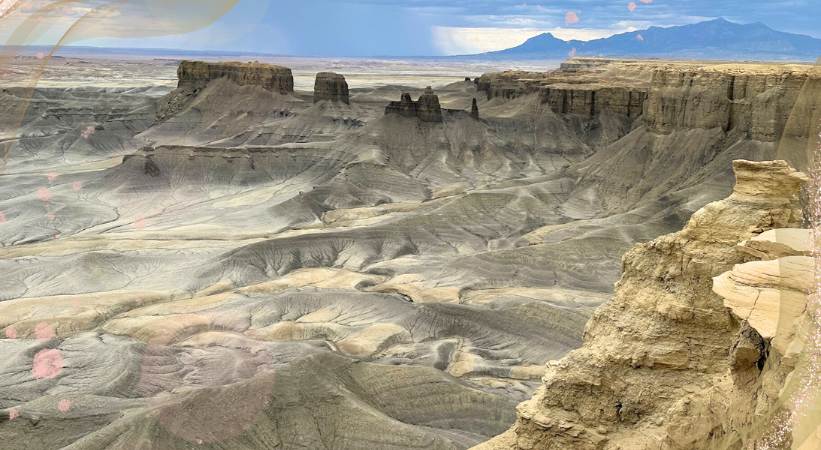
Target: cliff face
pixel 755 100
pixel 663 364
pixel 756 104
pixel 661 127
pixel 197 74
pixel 426 109
pixel 589 103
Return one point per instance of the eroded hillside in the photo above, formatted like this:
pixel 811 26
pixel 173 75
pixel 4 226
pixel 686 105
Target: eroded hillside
pixel 341 271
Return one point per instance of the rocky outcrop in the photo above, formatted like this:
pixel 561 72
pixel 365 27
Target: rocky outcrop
pixel 195 75
pixel 663 365
pixel 773 298
pixel 770 295
pixel 620 101
pixel 426 109
pixel 754 100
pixel 509 84
pixel 331 87
pixel 755 103
pixel 567 92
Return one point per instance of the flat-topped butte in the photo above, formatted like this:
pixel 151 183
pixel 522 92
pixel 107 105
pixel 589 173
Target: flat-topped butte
pixel 197 74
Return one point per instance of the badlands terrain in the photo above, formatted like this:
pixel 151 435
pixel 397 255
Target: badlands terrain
pixel 228 256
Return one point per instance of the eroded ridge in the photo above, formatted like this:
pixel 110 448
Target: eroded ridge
pixel 662 364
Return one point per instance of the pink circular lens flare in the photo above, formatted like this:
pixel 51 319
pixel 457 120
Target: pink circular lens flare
pixel 87 132
pixel 571 17
pixel 64 405
pixel 43 194
pixel 47 364
pixel 44 331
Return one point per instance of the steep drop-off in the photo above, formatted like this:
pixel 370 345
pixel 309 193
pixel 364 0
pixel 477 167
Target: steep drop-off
pixel 664 127
pixel 663 364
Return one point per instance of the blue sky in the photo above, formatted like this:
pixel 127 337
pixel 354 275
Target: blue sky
pixel 436 27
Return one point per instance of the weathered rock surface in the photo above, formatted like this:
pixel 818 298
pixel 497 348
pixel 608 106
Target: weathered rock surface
pixel 773 298
pixel 592 102
pixel 757 104
pixel 197 74
pixel 779 243
pixel 426 109
pixel 751 99
pixel 655 370
pixel 769 295
pixel 331 87
pixel 194 76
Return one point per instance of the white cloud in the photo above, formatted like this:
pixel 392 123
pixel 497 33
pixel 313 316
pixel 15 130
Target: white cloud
pixel 463 40
pixel 456 41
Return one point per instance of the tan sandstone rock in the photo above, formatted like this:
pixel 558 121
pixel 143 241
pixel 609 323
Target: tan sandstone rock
pixel 777 243
pixel 769 295
pixel 656 369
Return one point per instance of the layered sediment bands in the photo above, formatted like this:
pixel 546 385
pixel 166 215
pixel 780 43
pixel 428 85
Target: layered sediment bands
pixel 757 104
pixel 509 84
pixel 656 367
pixel 197 74
pixel 331 87
pixel 773 298
pixel 752 100
pixel 624 102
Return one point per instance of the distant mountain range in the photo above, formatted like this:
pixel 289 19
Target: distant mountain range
pixel 713 39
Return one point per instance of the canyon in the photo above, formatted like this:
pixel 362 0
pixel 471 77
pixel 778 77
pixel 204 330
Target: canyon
pixel 237 262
